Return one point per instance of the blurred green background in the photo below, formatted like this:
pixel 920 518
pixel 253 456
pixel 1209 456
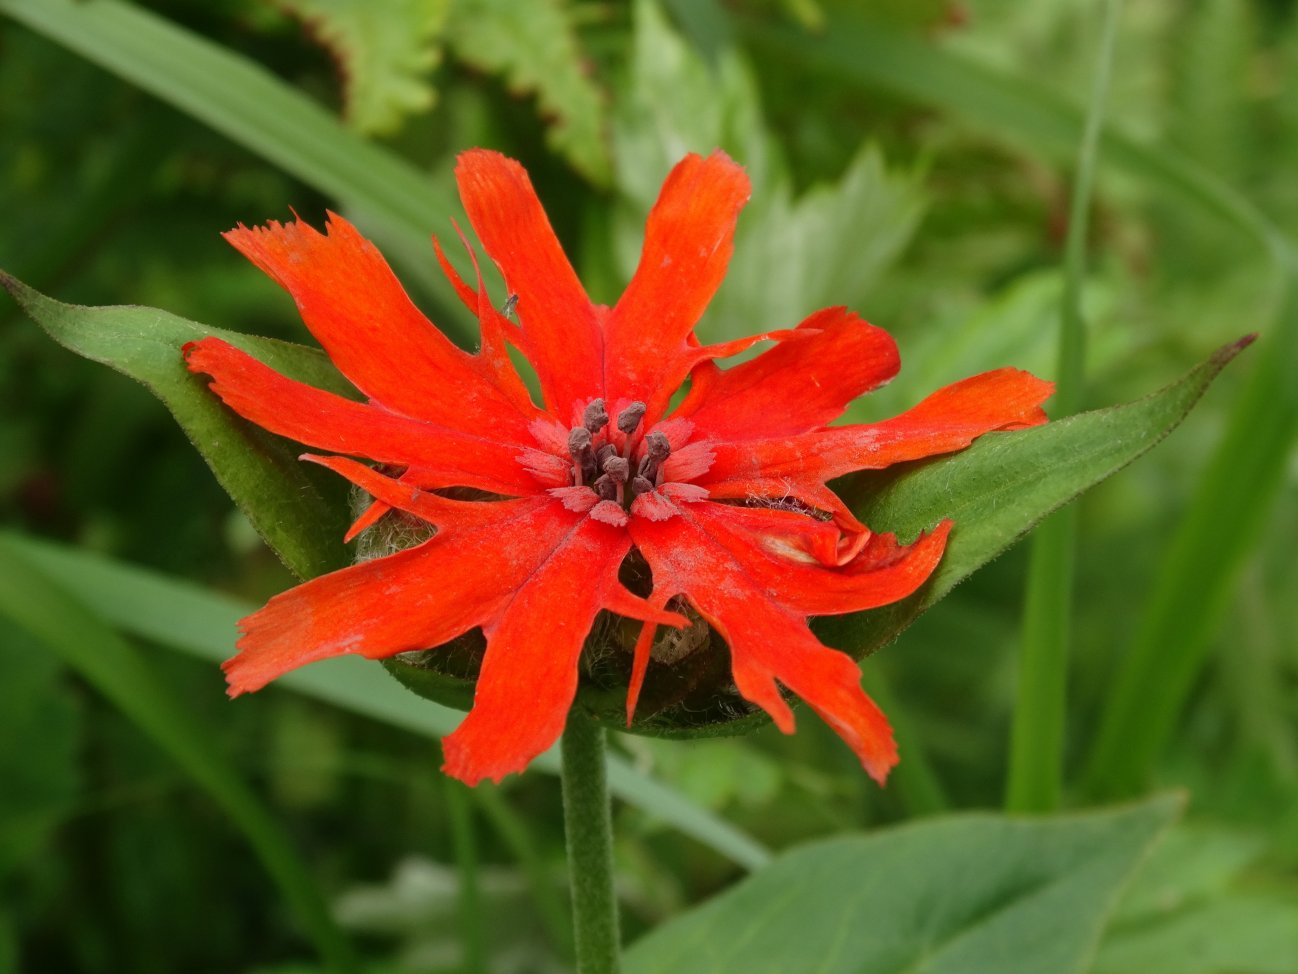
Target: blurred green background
pixel 912 160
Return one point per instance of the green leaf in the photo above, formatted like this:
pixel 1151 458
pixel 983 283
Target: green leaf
pixel 534 47
pixel 1197 907
pixel 185 617
pixel 952 895
pixel 1000 487
pixel 1201 570
pixel 385 53
pixel 70 631
pixel 239 98
pixel 301 514
pixel 672 102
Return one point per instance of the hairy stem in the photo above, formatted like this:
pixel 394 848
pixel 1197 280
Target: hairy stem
pixel 589 827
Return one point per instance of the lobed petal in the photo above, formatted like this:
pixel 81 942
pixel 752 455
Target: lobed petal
pixel 759 604
pixel 529 675
pixel 529 573
pixel 801 384
pixel 414 599
pixel 446 457
pixel 560 326
pixel 688 242
pixel 948 420
pixel 357 309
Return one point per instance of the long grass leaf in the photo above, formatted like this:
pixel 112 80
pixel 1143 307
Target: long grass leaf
pixel 1226 515
pixel 245 102
pixel 1035 781
pixel 1239 486
pixel 31 599
pixel 184 617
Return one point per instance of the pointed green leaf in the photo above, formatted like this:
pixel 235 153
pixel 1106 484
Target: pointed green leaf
pixel 301 514
pixel 1000 487
pixel 957 895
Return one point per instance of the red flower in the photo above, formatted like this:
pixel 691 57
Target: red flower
pixel 724 498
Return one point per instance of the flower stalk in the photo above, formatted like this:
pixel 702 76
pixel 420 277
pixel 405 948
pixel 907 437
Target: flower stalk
pixel 588 825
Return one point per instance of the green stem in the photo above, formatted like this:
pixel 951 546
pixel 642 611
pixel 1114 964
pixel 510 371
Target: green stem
pixel 589 826
pixel 1037 738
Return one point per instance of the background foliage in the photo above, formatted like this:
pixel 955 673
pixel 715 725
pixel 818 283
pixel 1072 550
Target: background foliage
pixel 915 163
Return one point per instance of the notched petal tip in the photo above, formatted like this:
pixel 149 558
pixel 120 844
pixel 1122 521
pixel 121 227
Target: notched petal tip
pixel 459 763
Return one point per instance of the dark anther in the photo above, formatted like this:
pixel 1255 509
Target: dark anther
pixel 583 456
pixel 604 452
pixel 606 488
pixel 578 441
pixel 596 416
pixel 629 418
pixel 658 447
pixel 656 451
pixel 619 468
pixel 639 485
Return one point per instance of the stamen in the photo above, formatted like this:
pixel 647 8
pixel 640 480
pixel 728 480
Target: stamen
pixel 578 441
pixel 658 446
pixel 629 418
pixel 639 485
pixel 583 456
pixel 604 452
pixel 619 468
pixel 657 449
pixel 606 488
pixel 596 416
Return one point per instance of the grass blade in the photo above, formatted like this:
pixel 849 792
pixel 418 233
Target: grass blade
pixel 1206 556
pixel 182 616
pixel 42 607
pixel 242 100
pixel 1037 738
pixel 1202 567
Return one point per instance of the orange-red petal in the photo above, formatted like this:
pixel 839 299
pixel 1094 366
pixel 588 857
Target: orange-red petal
pixel 759 602
pixel 948 420
pixel 530 573
pixel 447 457
pixel 529 675
pixel 801 384
pixel 560 326
pixel 688 243
pixel 414 599
pixel 357 309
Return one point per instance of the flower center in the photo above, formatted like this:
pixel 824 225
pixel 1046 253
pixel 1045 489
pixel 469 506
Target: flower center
pixel 597 463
